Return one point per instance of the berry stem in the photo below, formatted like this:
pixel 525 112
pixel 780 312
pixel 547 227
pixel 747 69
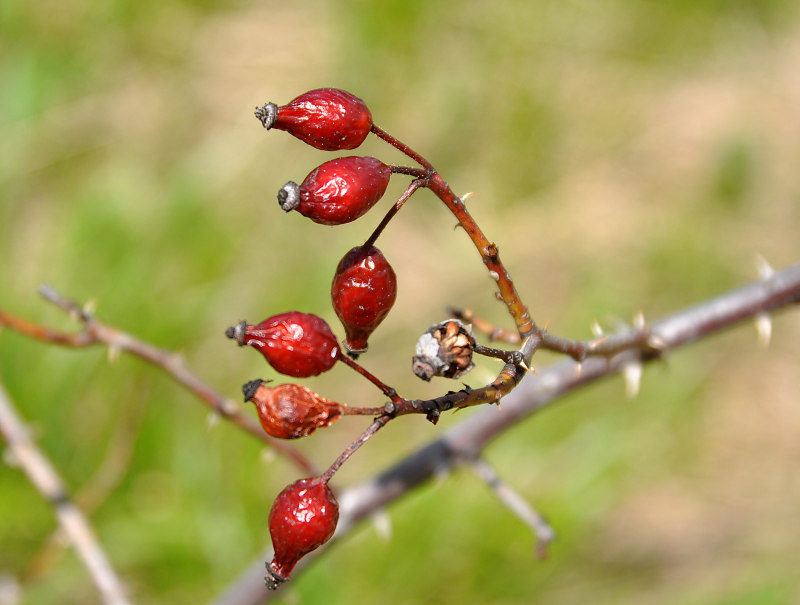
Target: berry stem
pixel 513 357
pixel 373 428
pixel 399 145
pixel 415 184
pixel 356 411
pixel 489 253
pixel 387 390
pixel 481 325
pixel 410 171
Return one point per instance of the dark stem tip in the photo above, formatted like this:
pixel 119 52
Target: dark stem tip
pixel 249 388
pixel 289 196
pixel 273 579
pixel 267 114
pixel 237 332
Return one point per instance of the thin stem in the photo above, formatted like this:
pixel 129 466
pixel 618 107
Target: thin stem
pixel 45 479
pixel 373 428
pixel 481 325
pixel 513 357
pixel 386 389
pixel 95 332
pixel 516 504
pixel 489 254
pixel 410 171
pixel 488 251
pixel 413 186
pixel 356 411
pixel 399 145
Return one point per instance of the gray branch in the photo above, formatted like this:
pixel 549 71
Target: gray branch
pixel 466 440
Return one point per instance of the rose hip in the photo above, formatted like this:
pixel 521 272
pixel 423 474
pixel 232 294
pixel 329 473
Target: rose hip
pixel 290 411
pixel 338 191
pixel 326 118
pixel 363 291
pixel 302 518
pixel 296 344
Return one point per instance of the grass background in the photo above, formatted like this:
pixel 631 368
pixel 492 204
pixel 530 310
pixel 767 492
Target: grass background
pixel 627 155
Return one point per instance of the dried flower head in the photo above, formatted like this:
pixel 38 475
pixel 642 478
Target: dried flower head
pixel 444 350
pixel 291 411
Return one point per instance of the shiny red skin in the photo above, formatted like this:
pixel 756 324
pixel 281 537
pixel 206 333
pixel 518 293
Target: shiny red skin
pixel 342 190
pixel 363 292
pixel 326 118
pixel 296 344
pixel 303 517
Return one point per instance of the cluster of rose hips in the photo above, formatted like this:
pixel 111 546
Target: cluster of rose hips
pixel 363 290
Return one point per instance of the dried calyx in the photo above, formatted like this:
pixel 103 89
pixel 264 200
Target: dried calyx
pixel 444 350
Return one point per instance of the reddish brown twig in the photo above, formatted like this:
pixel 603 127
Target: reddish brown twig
pixel 94 332
pixel 468 438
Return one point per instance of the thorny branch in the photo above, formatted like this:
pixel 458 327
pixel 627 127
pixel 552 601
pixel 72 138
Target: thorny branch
pixel 467 439
pixel 94 332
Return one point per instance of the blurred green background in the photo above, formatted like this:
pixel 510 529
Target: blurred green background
pixel 626 155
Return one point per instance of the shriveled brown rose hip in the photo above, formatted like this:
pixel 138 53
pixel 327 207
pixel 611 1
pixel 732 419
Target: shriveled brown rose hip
pixel 290 411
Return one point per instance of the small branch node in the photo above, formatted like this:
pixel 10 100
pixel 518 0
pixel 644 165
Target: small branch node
pixel 212 420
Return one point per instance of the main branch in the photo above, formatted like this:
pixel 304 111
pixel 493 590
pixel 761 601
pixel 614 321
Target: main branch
pixel 464 441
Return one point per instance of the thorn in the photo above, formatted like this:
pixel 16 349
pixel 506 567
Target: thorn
pixel 467 195
pixel 656 342
pixel 764 329
pixel 212 419
pixel 632 373
pixel 765 270
pixel 440 474
pixel 638 320
pixel 546 325
pixel 382 523
pixel 114 351
pixel 597 342
pixel 89 307
pixel 268 455
pixel 578 370
pixel 596 329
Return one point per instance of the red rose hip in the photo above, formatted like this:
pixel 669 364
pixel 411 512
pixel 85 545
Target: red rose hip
pixel 326 118
pixel 338 191
pixel 363 292
pixel 296 344
pixel 302 518
pixel 291 411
